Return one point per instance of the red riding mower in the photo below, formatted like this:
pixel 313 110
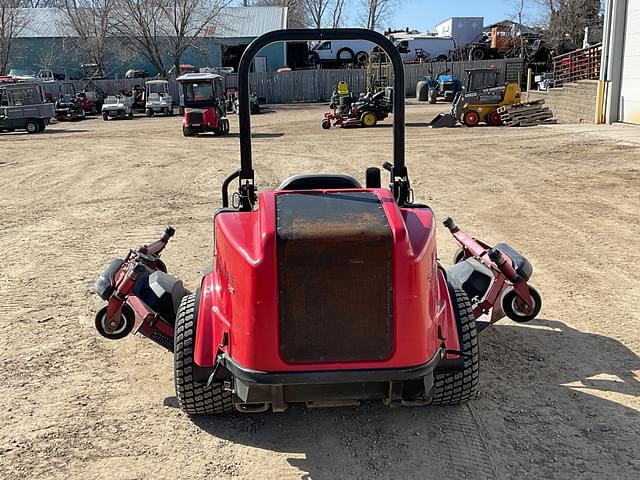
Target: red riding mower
pixel 204 104
pixel 364 112
pixel 323 291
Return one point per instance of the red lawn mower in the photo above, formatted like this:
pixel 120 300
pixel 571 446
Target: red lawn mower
pixel 322 291
pixel 204 104
pixel 367 111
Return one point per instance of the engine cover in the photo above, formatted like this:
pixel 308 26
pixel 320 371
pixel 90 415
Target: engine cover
pixel 334 254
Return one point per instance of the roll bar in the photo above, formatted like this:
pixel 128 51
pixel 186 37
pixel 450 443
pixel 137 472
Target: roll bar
pixel 399 180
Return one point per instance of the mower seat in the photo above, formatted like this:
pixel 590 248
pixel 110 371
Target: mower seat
pixel 522 265
pixel 319 181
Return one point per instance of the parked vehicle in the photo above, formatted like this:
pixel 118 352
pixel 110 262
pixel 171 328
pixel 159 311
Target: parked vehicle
pixel 22 107
pixel 67 105
pixel 340 51
pixel 158 99
pixel 204 104
pixel 134 73
pixel 322 291
pixel 20 74
pixel 233 104
pixel 443 86
pixel 474 105
pixel 425 48
pixel 367 111
pixel 117 106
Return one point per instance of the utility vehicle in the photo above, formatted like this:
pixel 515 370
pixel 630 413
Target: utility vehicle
pixel 22 107
pixel 204 104
pixel 323 291
pixel 367 111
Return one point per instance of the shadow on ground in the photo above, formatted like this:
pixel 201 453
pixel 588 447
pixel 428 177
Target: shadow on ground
pixel 539 414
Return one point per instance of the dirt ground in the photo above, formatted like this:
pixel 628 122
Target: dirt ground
pixel 560 397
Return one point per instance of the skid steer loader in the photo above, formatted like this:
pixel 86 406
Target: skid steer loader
pixel 478 101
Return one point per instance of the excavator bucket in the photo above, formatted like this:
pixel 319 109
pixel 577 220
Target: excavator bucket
pixel 443 120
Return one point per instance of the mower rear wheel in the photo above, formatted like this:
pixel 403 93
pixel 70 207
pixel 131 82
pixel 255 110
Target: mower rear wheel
pixel 452 388
pixel 471 118
pixel 369 119
pixel 512 310
pixel 194 398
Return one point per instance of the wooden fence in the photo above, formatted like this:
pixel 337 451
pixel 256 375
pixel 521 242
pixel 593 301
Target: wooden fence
pixel 317 85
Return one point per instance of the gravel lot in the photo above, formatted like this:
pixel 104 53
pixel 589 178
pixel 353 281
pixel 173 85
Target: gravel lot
pixel 560 397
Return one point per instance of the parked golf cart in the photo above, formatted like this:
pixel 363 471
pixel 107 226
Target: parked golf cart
pixel 322 291
pixel 117 106
pixel 158 99
pixel 22 107
pixel 67 105
pixel 203 104
pixel 367 111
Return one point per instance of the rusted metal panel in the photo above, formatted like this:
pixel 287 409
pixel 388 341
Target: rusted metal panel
pixel 335 277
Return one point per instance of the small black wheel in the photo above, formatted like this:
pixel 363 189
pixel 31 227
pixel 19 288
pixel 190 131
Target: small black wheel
pixel 160 265
pixel 458 256
pixel 512 310
pixel 149 112
pixel 453 388
pixel 105 116
pixel 194 398
pixel 186 131
pixel 326 124
pixel 116 332
pixel 32 126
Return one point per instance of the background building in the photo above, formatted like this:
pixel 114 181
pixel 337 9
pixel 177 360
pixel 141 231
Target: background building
pixel 621 61
pixel 48 42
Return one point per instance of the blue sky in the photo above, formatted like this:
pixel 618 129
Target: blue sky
pixel 423 15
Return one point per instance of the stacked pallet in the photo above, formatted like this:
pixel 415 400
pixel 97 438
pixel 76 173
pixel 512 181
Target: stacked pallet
pixel 526 114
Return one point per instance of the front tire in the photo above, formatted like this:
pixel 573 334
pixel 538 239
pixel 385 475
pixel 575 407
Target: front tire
pixel 194 398
pixel 453 388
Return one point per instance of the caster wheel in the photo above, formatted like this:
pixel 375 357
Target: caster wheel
pixel 115 332
pixel 514 311
pixel 326 124
pixel 458 256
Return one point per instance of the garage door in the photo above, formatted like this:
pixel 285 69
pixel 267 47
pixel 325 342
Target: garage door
pixel 630 87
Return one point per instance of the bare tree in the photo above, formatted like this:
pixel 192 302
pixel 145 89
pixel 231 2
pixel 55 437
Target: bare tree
pixel 13 20
pixel 315 10
pixel 374 12
pixel 140 30
pixel 336 14
pixel 163 30
pixel 186 21
pixel 567 20
pixel 92 23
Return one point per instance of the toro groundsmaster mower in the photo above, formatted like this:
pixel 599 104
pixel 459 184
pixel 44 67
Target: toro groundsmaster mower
pixel 323 291
pixel 204 104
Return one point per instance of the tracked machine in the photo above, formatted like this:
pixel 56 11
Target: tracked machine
pixel 323 291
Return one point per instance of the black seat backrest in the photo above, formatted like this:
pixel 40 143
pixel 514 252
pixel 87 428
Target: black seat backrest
pixel 319 181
